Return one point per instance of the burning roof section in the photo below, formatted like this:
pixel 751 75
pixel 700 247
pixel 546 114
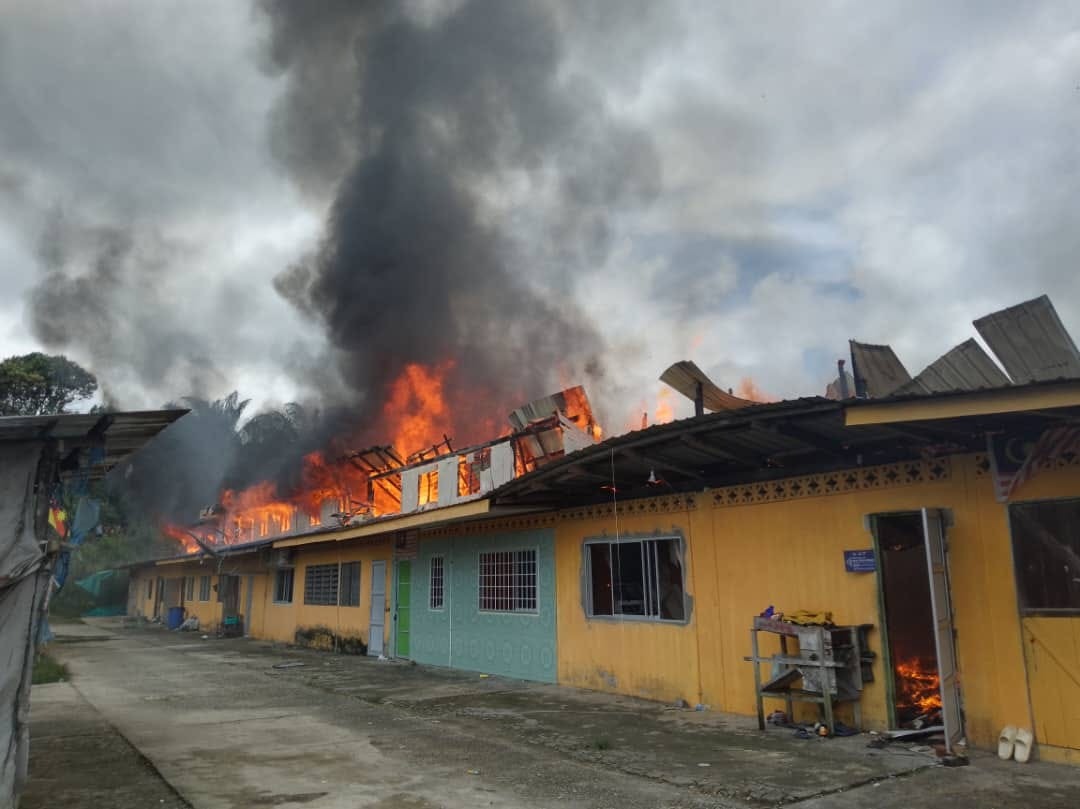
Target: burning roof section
pixel 551 439
pixel 378 483
pixel 743 441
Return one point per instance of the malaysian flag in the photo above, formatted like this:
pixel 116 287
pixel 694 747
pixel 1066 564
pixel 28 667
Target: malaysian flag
pixel 1016 459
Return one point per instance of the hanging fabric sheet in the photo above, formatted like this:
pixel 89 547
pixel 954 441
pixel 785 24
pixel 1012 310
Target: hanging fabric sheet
pixel 24 585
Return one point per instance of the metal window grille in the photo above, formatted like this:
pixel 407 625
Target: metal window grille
pixel 436 602
pixel 189 588
pixel 637 578
pixel 321 584
pixel 283 585
pixel 350 584
pixel 508 581
pixel 204 588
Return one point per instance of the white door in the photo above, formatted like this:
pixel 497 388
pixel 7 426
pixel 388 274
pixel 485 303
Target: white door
pixel 378 608
pixel 934 532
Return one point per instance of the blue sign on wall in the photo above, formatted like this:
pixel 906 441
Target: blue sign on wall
pixel 860 561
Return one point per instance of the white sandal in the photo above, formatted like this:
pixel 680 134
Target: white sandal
pixel 1022 747
pixel 1007 742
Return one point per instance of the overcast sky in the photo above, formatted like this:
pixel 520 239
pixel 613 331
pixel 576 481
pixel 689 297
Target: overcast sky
pixel 825 171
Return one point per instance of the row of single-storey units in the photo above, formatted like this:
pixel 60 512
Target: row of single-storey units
pixel 653 593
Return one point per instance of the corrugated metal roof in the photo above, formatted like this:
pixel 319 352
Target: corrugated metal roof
pixel 1031 342
pixel 685 377
pixel 752 444
pixel 965 367
pixel 235 549
pixel 119 434
pixel 682 451
pixel 877 369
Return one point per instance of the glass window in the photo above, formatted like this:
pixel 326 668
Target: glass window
pixel 436 590
pixel 508 581
pixel 189 588
pixel 350 584
pixel 1046 550
pixel 204 588
pixel 638 578
pixel 283 585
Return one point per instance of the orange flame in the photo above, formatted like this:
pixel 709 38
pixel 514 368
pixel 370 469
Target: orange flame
pixel 918 687
pixel 416 413
pixel 662 412
pixel 423 406
pixel 175 532
pixel 748 389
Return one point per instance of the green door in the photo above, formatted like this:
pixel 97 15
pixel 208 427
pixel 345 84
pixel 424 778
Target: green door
pixel 402 594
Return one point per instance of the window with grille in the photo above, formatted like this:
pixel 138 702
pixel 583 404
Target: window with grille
pixel 436 602
pixel 350 584
pixel 321 584
pixel 637 578
pixel 508 581
pixel 283 585
pixel 204 588
pixel 189 588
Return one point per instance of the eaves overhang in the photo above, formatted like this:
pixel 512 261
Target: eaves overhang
pixel 390 524
pixel 1035 397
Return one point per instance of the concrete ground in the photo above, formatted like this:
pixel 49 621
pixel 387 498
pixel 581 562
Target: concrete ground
pixel 80 761
pixel 234 723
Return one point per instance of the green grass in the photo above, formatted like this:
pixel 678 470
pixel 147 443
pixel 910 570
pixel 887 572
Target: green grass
pixel 47 670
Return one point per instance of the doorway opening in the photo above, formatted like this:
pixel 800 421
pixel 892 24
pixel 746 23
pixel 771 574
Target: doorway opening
pixel 909 621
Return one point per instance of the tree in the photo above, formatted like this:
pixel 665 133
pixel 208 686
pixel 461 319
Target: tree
pixel 36 384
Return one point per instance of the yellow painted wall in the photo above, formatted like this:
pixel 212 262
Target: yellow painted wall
pixel 1053 658
pixel 789 553
pixel 280 621
pixel 144 604
pixel 1052 651
pixel 208 612
pixel 653 660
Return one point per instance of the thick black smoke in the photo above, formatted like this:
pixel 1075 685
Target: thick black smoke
pixel 468 174
pixel 430 125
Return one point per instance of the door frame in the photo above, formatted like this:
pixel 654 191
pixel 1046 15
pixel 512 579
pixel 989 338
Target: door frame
pixel 396 606
pixel 946 518
pixel 371 605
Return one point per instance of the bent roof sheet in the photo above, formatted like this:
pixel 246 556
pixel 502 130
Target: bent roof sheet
pixel 684 376
pixel 877 369
pixel 965 367
pixel 1031 342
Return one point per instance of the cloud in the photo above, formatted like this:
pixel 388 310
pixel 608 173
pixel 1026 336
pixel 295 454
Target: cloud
pixel 747 186
pixel 145 218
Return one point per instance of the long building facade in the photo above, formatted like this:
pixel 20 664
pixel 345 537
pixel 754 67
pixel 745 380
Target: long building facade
pixel 946 527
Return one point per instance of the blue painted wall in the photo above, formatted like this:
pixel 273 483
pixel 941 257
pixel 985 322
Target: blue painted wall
pixel 511 644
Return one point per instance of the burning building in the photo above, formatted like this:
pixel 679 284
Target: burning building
pixel 936 513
